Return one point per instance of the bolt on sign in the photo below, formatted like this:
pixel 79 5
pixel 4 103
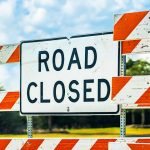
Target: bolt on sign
pixel 69 76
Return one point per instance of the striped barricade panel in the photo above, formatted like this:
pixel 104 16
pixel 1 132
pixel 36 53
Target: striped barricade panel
pixel 135 46
pixel 9 101
pixel 55 144
pixel 128 146
pixel 130 26
pixel 131 90
pixel 10 53
pixel 64 144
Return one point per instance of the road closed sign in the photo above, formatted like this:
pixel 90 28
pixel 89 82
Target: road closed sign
pixel 69 76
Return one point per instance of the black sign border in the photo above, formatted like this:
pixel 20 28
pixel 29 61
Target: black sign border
pixel 66 113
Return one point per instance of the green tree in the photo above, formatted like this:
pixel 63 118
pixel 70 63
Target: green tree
pixel 138 67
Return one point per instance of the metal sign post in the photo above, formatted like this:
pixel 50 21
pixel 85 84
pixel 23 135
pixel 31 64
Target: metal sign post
pixel 123 111
pixel 29 126
pixel 123 123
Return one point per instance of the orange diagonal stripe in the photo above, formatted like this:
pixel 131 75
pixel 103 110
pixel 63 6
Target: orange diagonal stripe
pixel 32 144
pixel 127 24
pixel 66 144
pixel 117 84
pixel 143 141
pixel 143 105
pixel 15 57
pixel 9 100
pixel 139 146
pixel 4 143
pixel 128 46
pixel 102 144
pixel 145 98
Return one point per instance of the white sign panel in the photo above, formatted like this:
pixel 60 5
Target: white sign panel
pixel 69 76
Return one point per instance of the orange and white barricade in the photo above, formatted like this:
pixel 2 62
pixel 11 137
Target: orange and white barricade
pixel 128 146
pixel 133 31
pixel 135 46
pixel 10 53
pixel 131 90
pixel 55 144
pixel 65 144
pixel 130 26
pixel 9 101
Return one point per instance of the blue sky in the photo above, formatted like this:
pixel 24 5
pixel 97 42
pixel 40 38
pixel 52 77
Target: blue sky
pixel 37 19
pixel 34 19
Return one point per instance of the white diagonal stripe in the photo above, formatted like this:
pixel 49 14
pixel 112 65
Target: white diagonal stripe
pixel 118 146
pixel 49 144
pixel 142 30
pixel 16 144
pixel 117 17
pixel 84 144
pixel 143 46
pixel 133 90
pixel 16 106
pixel 6 52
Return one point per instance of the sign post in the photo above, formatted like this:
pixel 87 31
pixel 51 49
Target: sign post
pixel 123 111
pixel 29 126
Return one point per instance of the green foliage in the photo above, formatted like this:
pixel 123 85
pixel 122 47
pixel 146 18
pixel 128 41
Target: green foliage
pixel 138 67
pixel 40 122
pixel 12 122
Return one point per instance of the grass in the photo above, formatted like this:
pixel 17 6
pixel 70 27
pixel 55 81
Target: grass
pixel 87 133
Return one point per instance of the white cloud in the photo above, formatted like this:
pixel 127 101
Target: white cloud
pixel 135 57
pixel 74 6
pixel 129 5
pixel 32 19
pixel 97 5
pixel 28 28
pixel 45 2
pixel 32 3
pixel 7 9
pixel 3 74
pixel 80 16
pixel 38 15
pixel 69 7
pixel 35 18
pixel 138 4
pixel 120 4
pixel 53 16
pixel 3 37
pixel 9 77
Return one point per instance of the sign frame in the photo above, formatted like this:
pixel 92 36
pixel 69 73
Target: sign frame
pixel 66 113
